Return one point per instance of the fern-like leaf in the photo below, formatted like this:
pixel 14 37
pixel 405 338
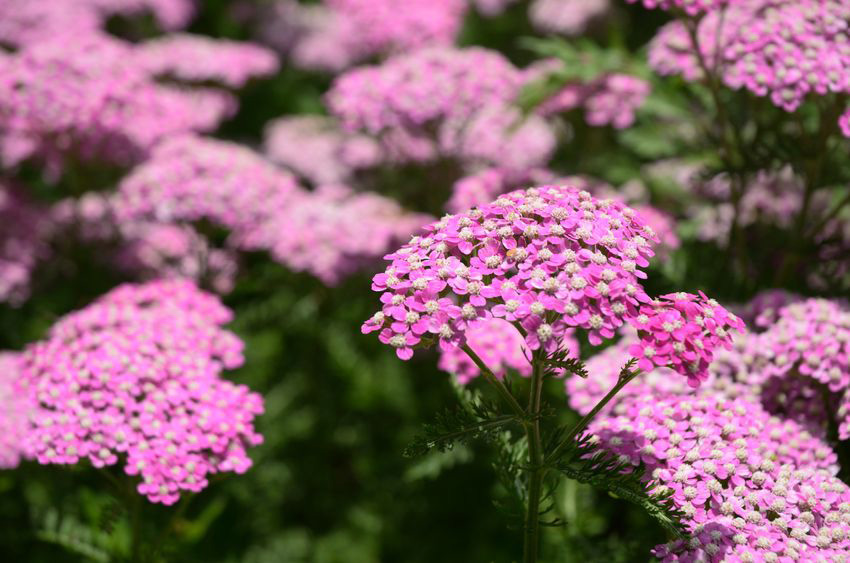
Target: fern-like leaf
pixel 560 360
pixel 474 418
pixel 588 463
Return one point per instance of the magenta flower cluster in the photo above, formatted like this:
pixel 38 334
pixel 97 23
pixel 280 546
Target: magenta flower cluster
pixel 190 178
pixel 682 330
pixel 547 259
pixel 333 231
pixel 197 58
pixel 135 378
pixel 751 487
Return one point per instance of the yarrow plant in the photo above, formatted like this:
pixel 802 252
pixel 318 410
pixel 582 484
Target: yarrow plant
pixel 136 378
pixel 546 260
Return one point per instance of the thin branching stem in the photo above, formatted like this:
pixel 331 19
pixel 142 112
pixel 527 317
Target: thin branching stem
pixel 625 378
pixel 495 382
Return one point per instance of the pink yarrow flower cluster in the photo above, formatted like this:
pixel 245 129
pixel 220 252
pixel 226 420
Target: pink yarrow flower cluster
pixel 547 259
pixel 135 378
pixel 15 407
pixel 333 231
pixel 567 17
pixel 315 148
pixel 93 96
pixel 605 367
pixel 786 50
pixel 611 99
pixel 682 330
pixel 197 58
pixel 190 178
pixel 410 97
pixel 751 487
pixel 328 232
pixel 32 21
pixel 337 34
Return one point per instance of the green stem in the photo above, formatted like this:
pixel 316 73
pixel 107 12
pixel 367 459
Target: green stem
pixel 136 530
pixel 536 470
pixel 495 382
pixel 582 424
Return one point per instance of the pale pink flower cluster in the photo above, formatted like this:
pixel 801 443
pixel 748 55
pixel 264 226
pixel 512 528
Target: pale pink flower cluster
pixel 197 58
pixel 610 99
pixel 316 149
pixel 567 17
pixel 441 101
pixel 143 249
pixel 763 310
pixel 24 231
pixel 799 364
pixel 682 330
pixel 499 134
pixel 811 339
pixel 751 487
pixel 769 198
pixel 169 251
pixel 135 378
pixel 189 179
pixel 328 232
pixel 90 95
pixel 32 21
pixel 547 259
pixel 782 49
pixel 14 410
pixel 337 34
pixel 333 231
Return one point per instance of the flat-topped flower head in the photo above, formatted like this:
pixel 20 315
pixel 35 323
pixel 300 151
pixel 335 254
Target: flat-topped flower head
pixel 135 378
pixel 786 50
pixel 751 487
pixel 417 88
pixel 190 178
pixel 93 96
pixel 196 58
pixel 547 259
pixel 681 331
